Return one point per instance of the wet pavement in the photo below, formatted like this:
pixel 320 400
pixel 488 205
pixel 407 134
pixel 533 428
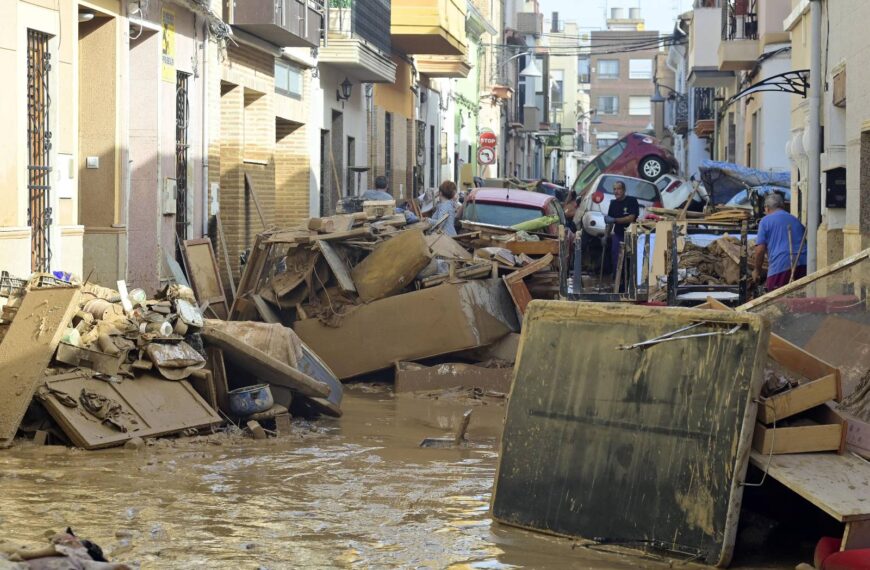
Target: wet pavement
pixel 351 493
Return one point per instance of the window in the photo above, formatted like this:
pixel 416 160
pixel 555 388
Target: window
pixel 288 79
pixel 640 189
pixel 640 69
pixel 351 162
pixel 583 70
pixel 639 105
pixel 608 105
pixel 608 69
pixel 557 86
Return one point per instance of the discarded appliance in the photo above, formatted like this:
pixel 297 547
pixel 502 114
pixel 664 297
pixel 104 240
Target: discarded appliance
pixel 656 455
pixel 429 322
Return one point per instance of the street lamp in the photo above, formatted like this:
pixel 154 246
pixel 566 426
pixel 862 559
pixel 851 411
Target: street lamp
pixel 657 96
pixel 530 70
pixel 344 93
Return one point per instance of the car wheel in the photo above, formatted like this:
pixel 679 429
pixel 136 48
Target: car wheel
pixel 651 168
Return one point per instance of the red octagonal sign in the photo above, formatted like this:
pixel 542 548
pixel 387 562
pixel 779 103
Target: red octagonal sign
pixel 487 139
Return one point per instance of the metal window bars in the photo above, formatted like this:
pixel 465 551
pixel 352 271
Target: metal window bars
pixel 38 150
pixel 739 20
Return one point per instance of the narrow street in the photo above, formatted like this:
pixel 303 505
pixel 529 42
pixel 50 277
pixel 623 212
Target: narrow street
pixel 354 493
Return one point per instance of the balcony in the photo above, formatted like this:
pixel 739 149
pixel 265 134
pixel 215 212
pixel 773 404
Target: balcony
pixel 703 59
pixel 358 41
pixel 739 47
pixel 451 66
pixel 432 27
pixel 285 23
pixel 703 111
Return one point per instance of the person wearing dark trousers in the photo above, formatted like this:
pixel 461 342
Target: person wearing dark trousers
pixel 623 212
pixel 781 237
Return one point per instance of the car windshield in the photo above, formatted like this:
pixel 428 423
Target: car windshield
pixel 498 214
pixel 663 183
pixel 640 189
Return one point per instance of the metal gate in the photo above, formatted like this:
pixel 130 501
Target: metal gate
pixel 182 115
pixel 38 150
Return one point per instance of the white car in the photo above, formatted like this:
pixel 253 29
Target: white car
pixel 675 191
pixel 594 205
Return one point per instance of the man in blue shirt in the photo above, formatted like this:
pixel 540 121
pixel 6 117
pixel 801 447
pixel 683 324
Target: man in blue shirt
pixel 781 237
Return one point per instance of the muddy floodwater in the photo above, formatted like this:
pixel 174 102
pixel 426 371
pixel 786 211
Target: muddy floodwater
pixel 351 493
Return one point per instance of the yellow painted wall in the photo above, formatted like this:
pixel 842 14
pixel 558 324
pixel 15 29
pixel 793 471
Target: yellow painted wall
pixel 397 98
pixel 97 119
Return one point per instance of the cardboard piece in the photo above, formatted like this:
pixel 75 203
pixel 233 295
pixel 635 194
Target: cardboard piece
pixel 392 266
pixel 630 444
pixel 429 322
pixel 411 377
pixel 150 407
pixel 27 349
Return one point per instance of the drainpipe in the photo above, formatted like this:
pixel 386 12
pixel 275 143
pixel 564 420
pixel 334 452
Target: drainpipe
pixel 813 150
pixel 205 119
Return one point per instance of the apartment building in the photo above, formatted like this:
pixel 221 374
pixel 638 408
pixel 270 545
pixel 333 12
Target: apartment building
pixel 621 72
pixel 844 224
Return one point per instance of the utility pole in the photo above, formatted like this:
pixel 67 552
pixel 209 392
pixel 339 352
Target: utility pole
pixel 813 150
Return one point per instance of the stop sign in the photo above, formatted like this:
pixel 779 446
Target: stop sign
pixel 487 139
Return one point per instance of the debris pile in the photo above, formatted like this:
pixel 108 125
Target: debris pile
pixel 96 368
pixel 367 290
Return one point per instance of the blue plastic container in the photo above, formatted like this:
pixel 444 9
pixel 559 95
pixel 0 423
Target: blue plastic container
pixel 251 400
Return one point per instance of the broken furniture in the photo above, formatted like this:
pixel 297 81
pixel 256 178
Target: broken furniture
pixel 837 484
pixel 412 326
pixel 148 406
pixel 27 349
pixel 656 454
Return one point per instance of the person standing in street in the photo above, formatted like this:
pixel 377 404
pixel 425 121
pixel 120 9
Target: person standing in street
pixel 623 211
pixel 446 206
pixel 781 237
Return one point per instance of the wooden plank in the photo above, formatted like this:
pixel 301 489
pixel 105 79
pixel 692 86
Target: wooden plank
pixel 151 406
pixel 534 267
pixel 249 186
pixel 27 349
pixel 354 233
pixel 205 276
pixel 837 484
pixel 519 293
pixel 251 275
pixel 800 283
pixel 227 261
pixel 264 366
pixel 533 247
pixel 802 439
pixel 215 359
pixel 203 382
pixel 338 266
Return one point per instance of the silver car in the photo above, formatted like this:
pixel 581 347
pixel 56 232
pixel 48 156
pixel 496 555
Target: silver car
pixel 594 205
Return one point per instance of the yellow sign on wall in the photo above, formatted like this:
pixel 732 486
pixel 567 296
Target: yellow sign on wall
pixel 168 56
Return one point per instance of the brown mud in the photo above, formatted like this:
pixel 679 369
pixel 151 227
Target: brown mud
pixel 351 493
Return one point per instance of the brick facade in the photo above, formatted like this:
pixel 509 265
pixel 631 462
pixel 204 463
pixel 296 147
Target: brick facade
pixel 262 134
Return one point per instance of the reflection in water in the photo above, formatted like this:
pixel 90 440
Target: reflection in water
pixel 356 492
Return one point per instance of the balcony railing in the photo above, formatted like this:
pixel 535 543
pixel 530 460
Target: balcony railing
pixel 739 20
pixel 703 103
pixel 285 23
